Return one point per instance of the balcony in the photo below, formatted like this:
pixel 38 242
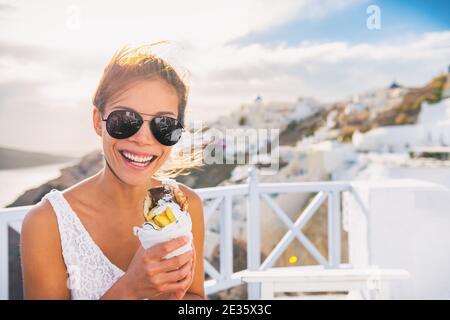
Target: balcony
pixel 396 228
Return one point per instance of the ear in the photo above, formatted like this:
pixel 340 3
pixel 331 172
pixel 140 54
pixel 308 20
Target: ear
pixel 97 121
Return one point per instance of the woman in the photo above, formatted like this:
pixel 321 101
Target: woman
pixel 79 243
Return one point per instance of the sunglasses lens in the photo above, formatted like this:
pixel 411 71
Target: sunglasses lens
pixel 166 130
pixel 122 124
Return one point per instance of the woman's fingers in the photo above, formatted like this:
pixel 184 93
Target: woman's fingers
pixel 173 263
pixel 182 285
pixel 186 281
pixel 174 284
pixel 194 258
pixel 176 275
pixel 166 296
pixel 161 250
pixel 173 275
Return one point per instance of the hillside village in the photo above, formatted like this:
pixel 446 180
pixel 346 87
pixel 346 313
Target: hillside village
pixel 379 147
pixel 346 129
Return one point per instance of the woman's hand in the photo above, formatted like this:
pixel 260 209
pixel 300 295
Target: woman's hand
pixel 149 276
pixel 180 294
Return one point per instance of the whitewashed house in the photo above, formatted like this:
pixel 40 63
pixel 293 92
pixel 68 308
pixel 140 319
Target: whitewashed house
pixel 432 129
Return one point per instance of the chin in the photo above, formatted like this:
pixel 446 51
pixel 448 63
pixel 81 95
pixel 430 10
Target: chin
pixel 136 181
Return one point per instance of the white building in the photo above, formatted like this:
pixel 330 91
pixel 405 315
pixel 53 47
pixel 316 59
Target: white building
pixel 386 139
pixel 355 106
pixel 432 129
pixel 446 92
pixel 434 113
pixel 377 100
pixel 402 224
pixel 304 108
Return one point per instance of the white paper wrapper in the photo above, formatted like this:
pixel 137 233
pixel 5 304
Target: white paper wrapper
pixel 150 237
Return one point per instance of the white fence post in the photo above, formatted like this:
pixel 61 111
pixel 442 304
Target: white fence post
pixel 10 217
pixel 226 239
pixel 4 260
pixel 334 229
pixel 253 232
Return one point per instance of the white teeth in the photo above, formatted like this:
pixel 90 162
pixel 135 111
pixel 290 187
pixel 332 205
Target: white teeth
pixel 137 159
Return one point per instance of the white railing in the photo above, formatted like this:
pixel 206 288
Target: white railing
pixel 221 199
pixel 9 218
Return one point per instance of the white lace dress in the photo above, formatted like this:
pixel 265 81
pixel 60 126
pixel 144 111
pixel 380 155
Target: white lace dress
pixel 91 273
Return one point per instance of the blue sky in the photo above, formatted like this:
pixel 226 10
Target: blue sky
pixel 399 18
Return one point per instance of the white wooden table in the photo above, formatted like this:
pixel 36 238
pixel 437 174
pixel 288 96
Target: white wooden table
pixel 369 283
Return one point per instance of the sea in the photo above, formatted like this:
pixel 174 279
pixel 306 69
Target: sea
pixel 14 182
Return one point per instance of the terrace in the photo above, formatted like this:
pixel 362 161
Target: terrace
pixel 391 226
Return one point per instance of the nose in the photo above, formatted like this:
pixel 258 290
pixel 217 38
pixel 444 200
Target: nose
pixel 144 136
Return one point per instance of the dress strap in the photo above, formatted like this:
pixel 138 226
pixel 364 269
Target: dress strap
pixel 67 225
pixel 60 206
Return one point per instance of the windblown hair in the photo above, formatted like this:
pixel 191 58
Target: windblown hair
pixel 131 65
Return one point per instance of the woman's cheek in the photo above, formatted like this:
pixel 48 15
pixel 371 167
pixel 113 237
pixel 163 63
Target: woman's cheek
pixel 108 149
pixel 164 157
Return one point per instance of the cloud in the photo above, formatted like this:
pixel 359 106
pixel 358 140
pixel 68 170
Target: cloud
pixel 68 62
pixel 47 62
pixel 6 7
pixel 197 21
pixel 330 70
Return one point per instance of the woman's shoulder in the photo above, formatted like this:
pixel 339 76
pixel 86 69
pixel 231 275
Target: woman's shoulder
pixel 195 203
pixel 40 227
pixel 190 193
pixel 43 268
pixel 42 215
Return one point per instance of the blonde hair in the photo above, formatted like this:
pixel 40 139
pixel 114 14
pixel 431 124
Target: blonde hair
pixel 130 65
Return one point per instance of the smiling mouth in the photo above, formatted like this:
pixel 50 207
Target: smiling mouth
pixel 140 161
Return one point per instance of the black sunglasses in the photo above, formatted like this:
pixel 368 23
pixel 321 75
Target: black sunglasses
pixel 124 123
